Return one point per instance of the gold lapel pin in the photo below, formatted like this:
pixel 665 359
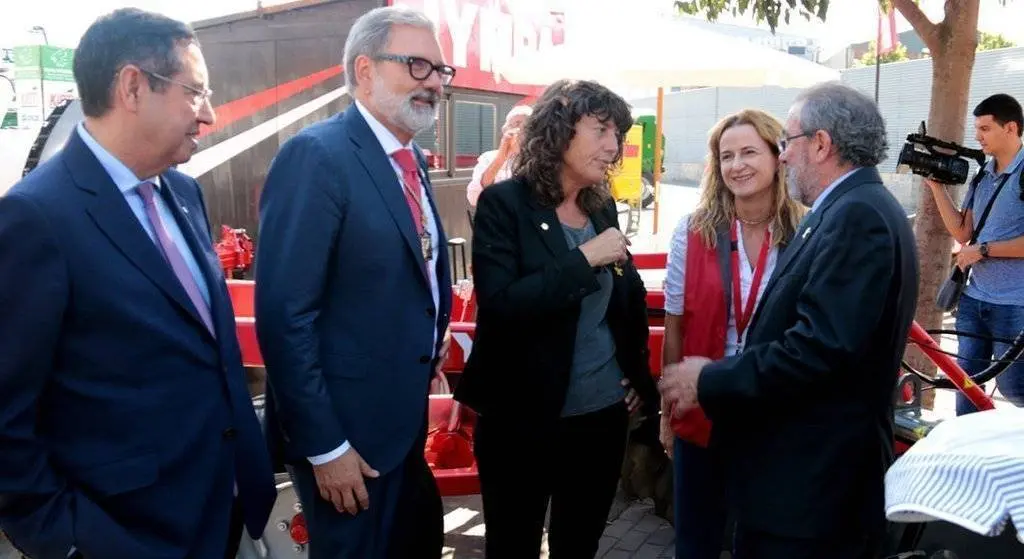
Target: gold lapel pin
pixel 544 226
pixel 618 269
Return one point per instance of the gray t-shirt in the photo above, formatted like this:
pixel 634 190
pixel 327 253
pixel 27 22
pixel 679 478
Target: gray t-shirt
pixel 999 281
pixel 595 378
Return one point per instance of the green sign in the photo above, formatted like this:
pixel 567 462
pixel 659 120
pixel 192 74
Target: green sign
pixel 54 63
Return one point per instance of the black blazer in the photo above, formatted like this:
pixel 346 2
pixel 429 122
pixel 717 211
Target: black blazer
pixel 529 286
pixel 804 416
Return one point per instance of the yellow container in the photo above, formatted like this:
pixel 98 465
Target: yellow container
pixel 626 182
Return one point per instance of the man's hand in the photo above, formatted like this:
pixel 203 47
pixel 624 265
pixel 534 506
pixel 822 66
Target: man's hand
pixel 678 384
pixel 341 482
pixel 967 256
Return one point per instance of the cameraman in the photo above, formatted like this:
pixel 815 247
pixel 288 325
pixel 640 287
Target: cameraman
pixel 992 304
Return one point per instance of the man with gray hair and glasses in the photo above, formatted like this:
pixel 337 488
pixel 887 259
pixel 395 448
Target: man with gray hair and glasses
pixel 803 416
pixel 353 296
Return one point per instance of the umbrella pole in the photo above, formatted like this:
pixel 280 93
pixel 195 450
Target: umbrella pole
pixel 657 155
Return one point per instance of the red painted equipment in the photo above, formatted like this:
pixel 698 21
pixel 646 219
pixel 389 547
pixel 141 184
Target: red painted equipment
pixel 449 449
pixel 235 251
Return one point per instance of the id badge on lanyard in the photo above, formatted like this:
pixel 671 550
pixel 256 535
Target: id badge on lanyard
pixel 743 313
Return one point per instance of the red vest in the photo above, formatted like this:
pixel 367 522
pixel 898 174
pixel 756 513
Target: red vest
pixel 705 321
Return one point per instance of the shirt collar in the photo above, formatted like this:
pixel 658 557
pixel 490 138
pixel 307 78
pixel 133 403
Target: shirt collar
pixel 123 177
pixel 990 166
pixel 831 187
pixel 387 140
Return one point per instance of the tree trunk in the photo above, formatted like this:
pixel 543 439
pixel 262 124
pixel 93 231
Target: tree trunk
pixel 955 42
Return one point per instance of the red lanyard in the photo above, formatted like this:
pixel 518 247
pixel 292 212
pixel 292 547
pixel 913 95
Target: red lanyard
pixel 743 316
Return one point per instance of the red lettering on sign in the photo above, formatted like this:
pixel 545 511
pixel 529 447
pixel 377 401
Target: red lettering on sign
pixel 630 150
pixel 477 35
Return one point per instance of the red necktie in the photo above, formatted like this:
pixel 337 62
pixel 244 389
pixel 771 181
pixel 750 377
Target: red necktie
pixel 412 187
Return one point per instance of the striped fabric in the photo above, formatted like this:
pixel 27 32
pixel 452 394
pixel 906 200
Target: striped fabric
pixel 968 471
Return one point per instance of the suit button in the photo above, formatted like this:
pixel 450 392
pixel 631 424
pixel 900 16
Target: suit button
pixel 424 359
pixel 229 433
pixel 431 313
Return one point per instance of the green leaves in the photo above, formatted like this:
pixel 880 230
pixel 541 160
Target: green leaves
pixel 764 11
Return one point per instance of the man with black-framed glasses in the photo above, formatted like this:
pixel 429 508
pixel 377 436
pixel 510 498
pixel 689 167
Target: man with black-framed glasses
pixel 353 299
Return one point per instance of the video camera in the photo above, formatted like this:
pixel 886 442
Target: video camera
pixel 940 161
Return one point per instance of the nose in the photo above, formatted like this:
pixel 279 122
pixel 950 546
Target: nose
pixel 206 114
pixel 433 82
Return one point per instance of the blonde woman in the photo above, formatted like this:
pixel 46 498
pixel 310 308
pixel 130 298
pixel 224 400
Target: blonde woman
pixel 719 262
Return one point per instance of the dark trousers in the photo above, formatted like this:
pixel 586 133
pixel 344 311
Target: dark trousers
pixel 404 520
pixel 699 502
pixel 753 544
pixel 575 465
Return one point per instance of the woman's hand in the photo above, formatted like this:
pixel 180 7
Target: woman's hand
pixel 607 248
pixel 633 399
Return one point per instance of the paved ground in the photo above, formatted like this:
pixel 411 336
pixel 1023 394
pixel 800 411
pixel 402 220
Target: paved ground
pixel 633 531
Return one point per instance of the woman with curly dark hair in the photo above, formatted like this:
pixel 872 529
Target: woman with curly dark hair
pixel 560 357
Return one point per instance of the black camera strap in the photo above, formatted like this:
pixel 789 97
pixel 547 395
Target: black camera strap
pixel 988 206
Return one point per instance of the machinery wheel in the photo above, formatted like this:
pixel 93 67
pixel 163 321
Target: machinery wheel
pixel 647 196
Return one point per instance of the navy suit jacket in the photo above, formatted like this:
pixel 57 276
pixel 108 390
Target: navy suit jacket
pixel 344 312
pixel 803 416
pixel 124 423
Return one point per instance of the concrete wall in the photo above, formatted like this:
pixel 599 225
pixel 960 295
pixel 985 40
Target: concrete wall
pixel 904 98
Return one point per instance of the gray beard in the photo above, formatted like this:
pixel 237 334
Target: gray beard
pixel 400 109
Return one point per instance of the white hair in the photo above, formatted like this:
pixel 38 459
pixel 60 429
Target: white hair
pixel 370 33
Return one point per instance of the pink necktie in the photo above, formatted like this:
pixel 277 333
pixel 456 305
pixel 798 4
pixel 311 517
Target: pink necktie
pixel 174 257
pixel 412 187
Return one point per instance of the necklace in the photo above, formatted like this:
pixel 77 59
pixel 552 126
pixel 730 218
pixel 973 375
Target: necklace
pixel 752 221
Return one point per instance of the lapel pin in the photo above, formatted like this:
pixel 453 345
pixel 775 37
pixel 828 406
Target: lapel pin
pixel 618 269
pixel 184 209
pixel 544 226
pixel 806 232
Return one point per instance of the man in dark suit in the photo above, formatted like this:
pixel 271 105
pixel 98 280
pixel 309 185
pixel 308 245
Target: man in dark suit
pixel 126 429
pixel 803 416
pixel 352 299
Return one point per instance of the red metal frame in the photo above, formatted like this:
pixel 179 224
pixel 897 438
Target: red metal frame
pixel 464 481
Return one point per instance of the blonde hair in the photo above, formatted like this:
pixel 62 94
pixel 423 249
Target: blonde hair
pixel 717 207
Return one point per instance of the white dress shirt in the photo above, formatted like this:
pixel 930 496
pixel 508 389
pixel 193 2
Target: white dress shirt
pixel 476 185
pixel 390 144
pixel 675 279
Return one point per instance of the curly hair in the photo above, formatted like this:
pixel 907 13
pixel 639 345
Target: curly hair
pixel 549 131
pixel 717 207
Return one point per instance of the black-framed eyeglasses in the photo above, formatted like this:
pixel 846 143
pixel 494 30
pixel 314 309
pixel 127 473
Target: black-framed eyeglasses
pixel 199 96
pixel 784 142
pixel 420 68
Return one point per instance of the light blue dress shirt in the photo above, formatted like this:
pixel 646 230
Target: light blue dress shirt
pixel 128 183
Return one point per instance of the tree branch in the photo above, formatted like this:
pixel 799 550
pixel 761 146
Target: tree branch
pixel 925 28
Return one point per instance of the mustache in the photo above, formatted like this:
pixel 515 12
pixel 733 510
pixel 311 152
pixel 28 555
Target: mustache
pixel 425 95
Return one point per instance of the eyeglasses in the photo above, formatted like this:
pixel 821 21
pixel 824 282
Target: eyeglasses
pixel 784 142
pixel 420 68
pixel 199 96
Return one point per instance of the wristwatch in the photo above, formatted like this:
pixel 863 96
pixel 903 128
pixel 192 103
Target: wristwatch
pixel 983 249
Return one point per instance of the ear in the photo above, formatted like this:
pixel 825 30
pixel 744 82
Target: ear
pixel 824 146
pixel 364 71
pixel 128 86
